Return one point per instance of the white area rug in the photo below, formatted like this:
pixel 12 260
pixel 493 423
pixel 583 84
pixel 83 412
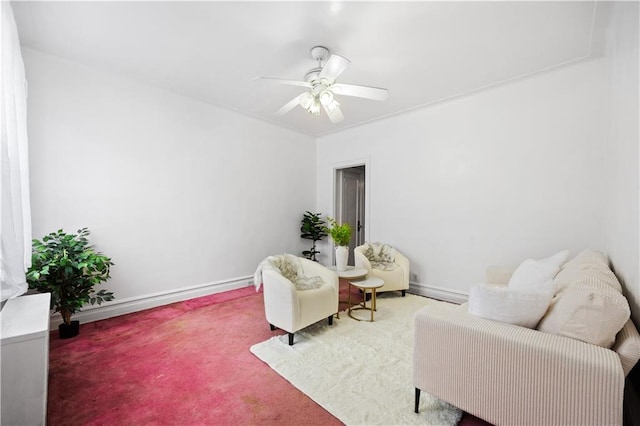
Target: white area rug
pixel 360 372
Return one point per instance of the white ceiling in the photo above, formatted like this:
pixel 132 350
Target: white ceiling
pixel 423 52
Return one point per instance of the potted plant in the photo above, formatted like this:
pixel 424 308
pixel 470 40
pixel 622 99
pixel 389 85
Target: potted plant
pixel 66 266
pixel 312 229
pixel 341 235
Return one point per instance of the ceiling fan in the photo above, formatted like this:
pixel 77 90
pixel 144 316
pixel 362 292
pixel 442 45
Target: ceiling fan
pixel 321 82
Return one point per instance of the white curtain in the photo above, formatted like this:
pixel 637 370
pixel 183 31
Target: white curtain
pixel 15 223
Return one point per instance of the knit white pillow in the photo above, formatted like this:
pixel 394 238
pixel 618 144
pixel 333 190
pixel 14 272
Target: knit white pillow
pixel 523 307
pixel 531 272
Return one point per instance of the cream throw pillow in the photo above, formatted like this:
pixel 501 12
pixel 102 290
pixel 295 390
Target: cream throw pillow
pixel 589 305
pixel 586 263
pixel 523 307
pixel 589 311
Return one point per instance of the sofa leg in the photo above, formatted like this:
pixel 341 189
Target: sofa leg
pixel 331 320
pixel 290 339
pixel 272 327
pixel 404 292
pixel 417 400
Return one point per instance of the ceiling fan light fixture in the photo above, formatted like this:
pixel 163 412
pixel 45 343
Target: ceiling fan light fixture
pixel 306 100
pixel 314 108
pixel 333 105
pixel 326 97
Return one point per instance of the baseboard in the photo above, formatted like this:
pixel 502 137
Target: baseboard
pixel 135 304
pixel 439 293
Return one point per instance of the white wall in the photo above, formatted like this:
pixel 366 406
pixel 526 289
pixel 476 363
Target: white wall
pixel 493 178
pixel 177 192
pixel 622 139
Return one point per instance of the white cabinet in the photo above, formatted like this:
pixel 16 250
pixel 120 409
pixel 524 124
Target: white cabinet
pixel 24 356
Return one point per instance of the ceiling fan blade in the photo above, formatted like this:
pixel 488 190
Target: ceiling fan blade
pixel 288 82
pixel 289 105
pixel 334 67
pixel 335 115
pixel 374 93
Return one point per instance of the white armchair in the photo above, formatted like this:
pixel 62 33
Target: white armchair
pixel 292 309
pixel 396 279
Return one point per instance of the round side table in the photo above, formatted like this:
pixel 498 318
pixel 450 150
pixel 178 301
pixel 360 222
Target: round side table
pixel 351 273
pixel 371 284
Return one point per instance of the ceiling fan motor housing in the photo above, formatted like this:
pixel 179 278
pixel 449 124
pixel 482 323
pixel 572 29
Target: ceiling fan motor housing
pixel 319 53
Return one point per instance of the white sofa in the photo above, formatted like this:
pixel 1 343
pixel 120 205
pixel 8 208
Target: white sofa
pixel 394 280
pixel 512 375
pixel 291 309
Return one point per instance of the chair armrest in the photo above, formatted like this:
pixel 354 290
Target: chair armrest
pixel 281 305
pixel 499 274
pixel 278 287
pixel 508 374
pixel 361 261
pixel 405 265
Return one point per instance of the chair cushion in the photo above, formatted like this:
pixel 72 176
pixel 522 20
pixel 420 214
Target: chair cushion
pixel 290 267
pixel 381 256
pixel 523 307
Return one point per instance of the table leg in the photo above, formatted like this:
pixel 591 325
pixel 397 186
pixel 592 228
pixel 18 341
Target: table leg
pixel 374 297
pixel 373 302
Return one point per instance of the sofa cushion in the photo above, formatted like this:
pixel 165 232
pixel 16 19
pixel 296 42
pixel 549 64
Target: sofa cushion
pixel 586 263
pixel 589 310
pixel 591 256
pixel 523 307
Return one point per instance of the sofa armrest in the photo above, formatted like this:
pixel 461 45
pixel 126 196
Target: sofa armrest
pixel 627 346
pixel 499 274
pixel 507 374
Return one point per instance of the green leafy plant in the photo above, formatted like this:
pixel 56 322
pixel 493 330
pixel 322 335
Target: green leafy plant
pixel 66 266
pixel 341 234
pixel 312 229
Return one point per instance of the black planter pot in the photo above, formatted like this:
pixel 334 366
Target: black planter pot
pixel 68 331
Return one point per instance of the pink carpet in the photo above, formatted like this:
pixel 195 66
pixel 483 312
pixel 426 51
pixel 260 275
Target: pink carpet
pixel 186 363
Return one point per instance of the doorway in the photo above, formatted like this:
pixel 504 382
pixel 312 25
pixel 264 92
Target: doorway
pixel 350 203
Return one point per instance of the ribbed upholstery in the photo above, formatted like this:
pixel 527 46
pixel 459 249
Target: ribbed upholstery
pixel 510 375
pixel 627 346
